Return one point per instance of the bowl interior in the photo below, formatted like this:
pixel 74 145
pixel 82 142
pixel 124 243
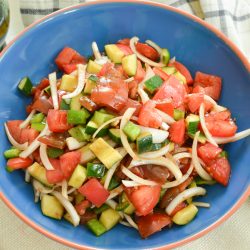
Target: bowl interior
pixel 197 47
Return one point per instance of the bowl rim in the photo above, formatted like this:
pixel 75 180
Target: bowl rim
pixel 208 26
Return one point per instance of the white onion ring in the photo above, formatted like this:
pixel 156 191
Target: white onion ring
pixel 201 204
pixel 155 154
pixel 26 122
pixel 96 51
pixel 44 157
pixel 154 45
pixel 53 88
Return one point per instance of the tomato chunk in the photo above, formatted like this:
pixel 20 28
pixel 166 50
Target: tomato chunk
pixel 94 192
pixel 17 163
pixel 124 41
pixel 132 104
pixel 208 152
pixel 140 72
pixel 177 131
pixel 14 129
pixel 144 198
pixel 152 223
pixel 82 206
pixel 147 51
pixel 56 175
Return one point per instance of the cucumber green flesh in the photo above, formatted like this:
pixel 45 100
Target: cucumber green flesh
pixel 38 126
pixel 114 134
pixel 25 86
pixel 95 170
pixel 77 116
pixel 64 105
pixel 91 127
pixel 37 118
pixel 144 143
pixel 96 227
pixel 54 152
pixel 165 56
pixel 131 130
pixel 179 114
pixel 11 153
pixel 153 83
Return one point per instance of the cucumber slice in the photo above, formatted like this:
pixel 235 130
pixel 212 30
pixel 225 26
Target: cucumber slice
pixel 156 146
pixel 96 227
pixel 68 83
pixel 78 177
pixel 47 90
pixel 75 103
pixel 223 154
pixel 114 53
pixel 91 127
pixel 25 86
pixel 9 169
pixel 99 210
pixel 68 218
pixel 169 70
pixel 37 118
pixel 179 114
pixel 11 153
pixel 93 78
pixel 113 183
pixel 93 67
pixel 153 84
pixel 144 142
pixel 38 126
pixel 90 84
pixel 79 198
pixel 129 64
pixel 109 218
pixel 114 134
pixel 95 170
pixel 180 77
pixel 64 105
pixel 77 116
pixel 79 133
pixel 130 208
pixel 54 152
pixel 185 215
pixel 165 55
pixel 100 117
pixel 86 154
pixel 131 130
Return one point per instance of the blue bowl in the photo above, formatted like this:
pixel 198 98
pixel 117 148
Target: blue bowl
pixel 196 44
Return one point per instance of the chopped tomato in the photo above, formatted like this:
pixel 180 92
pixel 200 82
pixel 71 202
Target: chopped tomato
pixel 17 163
pixel 171 193
pixel 82 206
pixel 163 75
pixel 56 175
pixel 94 192
pixel 177 132
pixel 220 124
pixel 144 198
pixel 220 170
pixel 43 84
pixel 53 140
pixel 124 41
pixel 57 121
pixel 195 101
pixel 88 103
pixel 148 116
pixel 88 215
pixel 183 70
pixel 208 152
pixel 28 135
pixel 152 223
pixel 69 161
pixel 140 72
pixel 132 104
pixel 210 83
pixel 105 68
pixel 36 156
pixel 42 104
pixel 14 129
pixel 166 107
pixel 125 49
pixel 132 89
pixel 171 89
pixel 147 51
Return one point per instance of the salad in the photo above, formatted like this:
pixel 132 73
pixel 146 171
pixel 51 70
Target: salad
pixel 127 136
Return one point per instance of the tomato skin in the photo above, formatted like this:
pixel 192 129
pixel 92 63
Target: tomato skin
pixel 14 129
pixel 177 131
pixel 144 198
pixel 166 107
pixel 125 49
pixel 208 152
pixel 53 141
pixel 42 104
pixel 220 170
pixel 152 223
pixel 194 102
pixel 140 72
pixel 124 41
pixel 163 75
pixel 105 68
pixel 88 104
pixel 183 70
pixel 147 51
pixel 18 162
pixel 94 192
pixel 82 206
pixel 211 84
pixel 132 104
pixel 68 162
pixel 148 116
pixel 56 175
pixel 57 121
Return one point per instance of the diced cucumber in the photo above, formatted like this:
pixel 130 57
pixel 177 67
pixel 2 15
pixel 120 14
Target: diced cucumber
pixel 169 70
pixel 171 146
pixel 78 177
pixel 47 90
pixel 37 118
pixel 130 209
pixel 99 117
pixel 93 67
pixel 153 84
pixel 223 154
pixel 96 227
pixel 100 209
pixel 9 169
pixel 64 105
pixel 200 181
pixel 95 170
pixel 68 218
pixel 165 55
pixel 192 118
pixel 113 183
pixel 39 172
pixel 79 133
pixel 144 142
pixel 90 84
pixel 77 116
pixel 102 132
pixel 129 64
pixel 105 153
pixel 163 191
pixel 25 86
pixel 179 114
pixel 68 83
pixel 185 215
pixel 75 103
pixel 180 77
pixel 122 206
pixel 114 134
pixel 93 78
pixel 114 53
pixel 102 110
pixel 79 198
pixel 131 130
pixel 51 207
pixel 91 127
pixel 201 138
pixel 11 153
pixel 192 128
pixel 54 152
pixel 156 146
pixel 38 126
pixel 191 185
pixel 109 218
pixel 86 154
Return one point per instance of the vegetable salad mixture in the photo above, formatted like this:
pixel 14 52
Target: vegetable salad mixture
pixel 126 136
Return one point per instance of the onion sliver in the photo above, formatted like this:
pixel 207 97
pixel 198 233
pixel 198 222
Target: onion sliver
pixel 158 135
pixel 173 168
pixel 201 204
pixel 216 107
pixel 130 221
pixel 115 192
pixel 69 208
pixel 27 176
pixel 113 205
pixel 35 144
pixel 155 154
pixel 53 87
pixel 73 144
pixel 129 79
pixel 65 189
pixel 165 117
pixel 44 157
pixel 126 117
pixel 199 169
pixel 204 127
pixel 236 137
pixel 96 51
pixel 186 194
pixel 132 43
pixel 182 155
pixel 127 183
pixel 124 223
pixel 40 187
pixel 13 141
pixel 81 82
pixel 137 179
pixel 143 94
pixel 26 122
pixel 154 45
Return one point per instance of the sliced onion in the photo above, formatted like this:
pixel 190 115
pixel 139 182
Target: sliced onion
pixel 69 208
pixel 143 94
pixel 27 176
pixel 71 190
pixel 115 192
pixel 165 117
pixel 136 178
pixel 158 135
pixel 96 51
pixel 155 154
pixel 103 60
pixel 130 79
pixel 26 122
pixel 201 204
pixel 73 144
pixel 65 189
pixel 132 43
pixel 182 155
pixel 181 149
pixel 236 137
pixel 172 60
pixel 186 194
pixel 127 183
pixel 37 195
pixel 178 182
pixel 81 82
pixel 35 144
pixel 40 187
pixel 130 221
pixel 204 127
pixel 113 205
pixel 74 73
pixel 199 169
pixel 173 168
pixel 13 141
pixel 53 87
pixel 126 117
pixel 164 126
pixel 105 124
pixel 216 107
pixel 155 46
pixel 124 223
pixel 44 157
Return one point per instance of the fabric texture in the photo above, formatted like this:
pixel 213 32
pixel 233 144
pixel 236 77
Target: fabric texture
pixel 233 19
